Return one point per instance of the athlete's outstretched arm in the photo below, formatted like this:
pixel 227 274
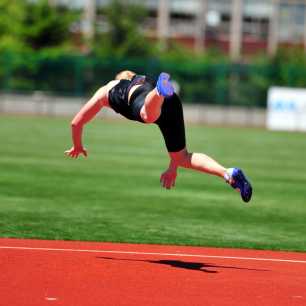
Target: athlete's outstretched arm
pixel 87 112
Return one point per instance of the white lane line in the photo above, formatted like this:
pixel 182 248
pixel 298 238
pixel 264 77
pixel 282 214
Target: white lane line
pixel 151 253
pixel 51 299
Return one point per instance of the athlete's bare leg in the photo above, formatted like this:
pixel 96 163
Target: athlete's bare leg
pixel 195 161
pixel 151 109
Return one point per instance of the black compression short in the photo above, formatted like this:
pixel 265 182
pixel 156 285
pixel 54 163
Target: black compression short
pixel 171 120
pixel 171 124
pixel 118 100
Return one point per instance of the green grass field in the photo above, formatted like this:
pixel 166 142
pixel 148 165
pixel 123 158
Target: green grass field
pixel 114 194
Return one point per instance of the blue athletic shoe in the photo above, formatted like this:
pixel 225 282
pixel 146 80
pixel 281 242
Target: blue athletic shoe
pixel 164 86
pixel 239 181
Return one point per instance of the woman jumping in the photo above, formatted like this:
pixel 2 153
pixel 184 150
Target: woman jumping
pixel 138 98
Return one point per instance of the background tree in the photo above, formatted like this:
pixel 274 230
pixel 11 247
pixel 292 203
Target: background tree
pixel 12 14
pixel 47 26
pixel 123 36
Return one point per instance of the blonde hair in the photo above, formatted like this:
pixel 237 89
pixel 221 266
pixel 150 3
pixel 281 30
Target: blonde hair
pixel 125 75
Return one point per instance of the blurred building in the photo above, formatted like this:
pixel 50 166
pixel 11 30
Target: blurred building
pixel 235 26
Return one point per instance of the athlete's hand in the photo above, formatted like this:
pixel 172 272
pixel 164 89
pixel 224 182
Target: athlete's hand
pixel 167 179
pixel 74 152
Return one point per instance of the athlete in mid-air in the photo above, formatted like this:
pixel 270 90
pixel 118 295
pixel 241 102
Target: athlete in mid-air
pixel 139 98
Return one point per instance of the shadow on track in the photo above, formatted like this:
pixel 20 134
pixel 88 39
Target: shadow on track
pixel 196 266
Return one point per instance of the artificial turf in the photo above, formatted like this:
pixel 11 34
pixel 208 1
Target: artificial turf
pixel 115 195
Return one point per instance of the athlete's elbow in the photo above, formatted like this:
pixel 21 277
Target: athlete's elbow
pixel 77 121
pixel 74 123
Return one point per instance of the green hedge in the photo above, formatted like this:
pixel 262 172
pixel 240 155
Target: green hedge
pixel 200 81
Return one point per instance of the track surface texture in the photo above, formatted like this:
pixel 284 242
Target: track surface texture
pixel 37 273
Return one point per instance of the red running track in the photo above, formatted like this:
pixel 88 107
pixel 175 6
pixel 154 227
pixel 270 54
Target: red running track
pixel 38 273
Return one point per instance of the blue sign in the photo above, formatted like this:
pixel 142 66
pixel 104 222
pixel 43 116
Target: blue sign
pixel 284 106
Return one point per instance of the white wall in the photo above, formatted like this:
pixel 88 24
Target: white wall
pixel 39 104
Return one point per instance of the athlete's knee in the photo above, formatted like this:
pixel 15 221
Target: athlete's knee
pixel 148 117
pixel 181 158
